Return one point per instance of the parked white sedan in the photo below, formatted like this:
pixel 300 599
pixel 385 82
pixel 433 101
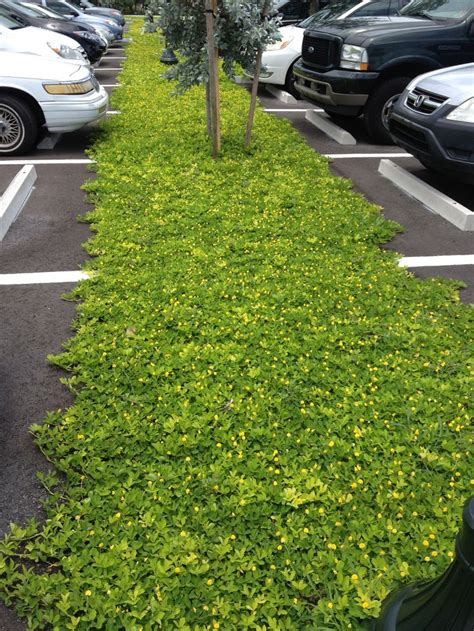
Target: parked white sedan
pixel 37 91
pixel 15 38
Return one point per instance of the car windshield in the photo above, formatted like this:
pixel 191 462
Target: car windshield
pixel 328 13
pixel 74 10
pixel 35 11
pixel 438 9
pixel 9 23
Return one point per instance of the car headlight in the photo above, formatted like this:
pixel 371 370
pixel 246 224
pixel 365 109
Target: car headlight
pixel 464 113
pixel 280 45
pixel 86 35
pixel 354 57
pixel 69 88
pixel 66 52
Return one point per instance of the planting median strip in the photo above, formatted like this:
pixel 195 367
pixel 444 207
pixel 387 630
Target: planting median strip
pixel 255 435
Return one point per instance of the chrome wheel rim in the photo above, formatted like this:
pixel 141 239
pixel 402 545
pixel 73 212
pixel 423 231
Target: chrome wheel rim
pixel 12 130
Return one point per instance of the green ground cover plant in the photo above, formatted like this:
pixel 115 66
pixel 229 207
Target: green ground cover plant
pixel 271 426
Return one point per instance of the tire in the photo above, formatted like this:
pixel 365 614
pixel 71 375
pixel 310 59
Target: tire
pixel 339 117
pixel 290 82
pixel 378 108
pixel 18 126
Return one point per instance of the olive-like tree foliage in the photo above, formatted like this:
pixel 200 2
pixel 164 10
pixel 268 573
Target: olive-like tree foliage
pixel 241 30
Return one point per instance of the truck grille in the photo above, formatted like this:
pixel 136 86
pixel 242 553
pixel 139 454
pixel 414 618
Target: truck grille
pixel 321 51
pixel 424 102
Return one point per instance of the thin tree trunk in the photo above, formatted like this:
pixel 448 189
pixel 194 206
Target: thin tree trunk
pixel 211 9
pixel 208 110
pixel 253 99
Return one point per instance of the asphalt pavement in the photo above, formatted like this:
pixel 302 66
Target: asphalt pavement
pixel 34 319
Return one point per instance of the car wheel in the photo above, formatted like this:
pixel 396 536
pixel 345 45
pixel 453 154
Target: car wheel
pixel 18 126
pixel 379 106
pixel 338 116
pixel 290 82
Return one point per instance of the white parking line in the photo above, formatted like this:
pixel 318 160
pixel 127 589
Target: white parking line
pixel 113 112
pixel 349 156
pixel 437 261
pixel 110 85
pixel 272 109
pixel 40 278
pixel 105 69
pixel 47 162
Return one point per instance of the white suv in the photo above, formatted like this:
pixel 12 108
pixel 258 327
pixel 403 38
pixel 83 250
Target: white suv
pixel 38 91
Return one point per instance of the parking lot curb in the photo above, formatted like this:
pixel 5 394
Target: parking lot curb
pixel 437 202
pixel 49 141
pixel 283 96
pixel 15 197
pixel 322 122
pixel 242 81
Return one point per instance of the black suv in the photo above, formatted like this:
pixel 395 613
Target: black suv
pixel 354 67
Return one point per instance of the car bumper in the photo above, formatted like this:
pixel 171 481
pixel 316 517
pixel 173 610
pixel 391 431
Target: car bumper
pixel 275 66
pixel 336 87
pixel 70 113
pixel 443 144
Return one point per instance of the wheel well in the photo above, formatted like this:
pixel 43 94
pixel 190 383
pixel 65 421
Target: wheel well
pixel 411 70
pixel 24 96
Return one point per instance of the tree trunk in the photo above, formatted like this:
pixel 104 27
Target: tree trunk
pixel 253 98
pixel 208 110
pixel 211 9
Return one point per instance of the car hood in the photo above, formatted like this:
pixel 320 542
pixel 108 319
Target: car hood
pixel 25 66
pixel 456 83
pixel 31 35
pixel 359 30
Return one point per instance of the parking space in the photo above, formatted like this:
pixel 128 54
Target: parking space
pixel 426 234
pixel 34 319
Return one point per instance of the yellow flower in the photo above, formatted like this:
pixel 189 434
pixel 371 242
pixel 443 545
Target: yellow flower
pixel 210 581
pixel 330 605
pixel 362 546
pixel 354 578
pixel 88 592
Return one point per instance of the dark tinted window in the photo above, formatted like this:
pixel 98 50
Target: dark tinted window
pixel 293 10
pixel 61 8
pixel 379 7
